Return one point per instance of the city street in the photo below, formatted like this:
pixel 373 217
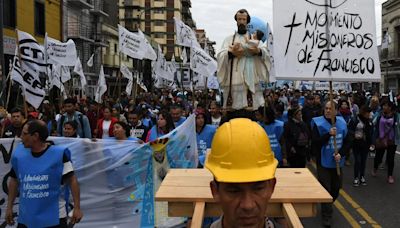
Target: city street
pixel 374 205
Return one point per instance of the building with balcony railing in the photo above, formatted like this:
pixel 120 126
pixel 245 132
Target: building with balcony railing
pixel 82 22
pixel 155 19
pixel 390 57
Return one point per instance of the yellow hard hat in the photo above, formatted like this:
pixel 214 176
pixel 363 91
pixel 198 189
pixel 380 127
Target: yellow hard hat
pixel 241 153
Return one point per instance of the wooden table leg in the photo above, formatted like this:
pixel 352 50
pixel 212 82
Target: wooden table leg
pixel 291 216
pixel 198 215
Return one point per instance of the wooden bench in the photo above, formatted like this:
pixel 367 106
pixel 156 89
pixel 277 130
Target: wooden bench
pixel 187 191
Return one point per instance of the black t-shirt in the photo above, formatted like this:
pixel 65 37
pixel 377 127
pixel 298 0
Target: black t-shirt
pixel 11 131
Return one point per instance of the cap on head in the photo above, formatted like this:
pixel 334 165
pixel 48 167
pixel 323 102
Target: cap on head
pixel 241 153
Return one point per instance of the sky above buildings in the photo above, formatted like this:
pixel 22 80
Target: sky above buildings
pixel 216 16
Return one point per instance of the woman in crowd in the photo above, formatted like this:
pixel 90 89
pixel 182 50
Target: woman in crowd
pixel 360 132
pixel 121 132
pixel 164 125
pixel 344 110
pixel 297 138
pixel 105 125
pixel 204 135
pixel 70 129
pixel 274 130
pixel 385 137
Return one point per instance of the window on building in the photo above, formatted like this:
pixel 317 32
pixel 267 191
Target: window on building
pixel 159 23
pixel 115 48
pixel 159 11
pixel 158 35
pixel 40 28
pixel 9 13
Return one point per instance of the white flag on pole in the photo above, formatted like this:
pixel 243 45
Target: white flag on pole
pixel 185 36
pixel 35 57
pixel 131 44
pixel 90 61
pixel 162 68
pixel 386 40
pixel 78 69
pixel 26 68
pixel 212 82
pixel 201 62
pixel 127 74
pixel 29 80
pixel 150 53
pixel 184 56
pixel 101 86
pixel 60 53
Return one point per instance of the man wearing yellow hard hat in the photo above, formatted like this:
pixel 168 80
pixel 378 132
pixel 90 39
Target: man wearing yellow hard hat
pixel 243 166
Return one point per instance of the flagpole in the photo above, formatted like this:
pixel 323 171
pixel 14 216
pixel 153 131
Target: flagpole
pixel 333 111
pixel 9 88
pixel 22 89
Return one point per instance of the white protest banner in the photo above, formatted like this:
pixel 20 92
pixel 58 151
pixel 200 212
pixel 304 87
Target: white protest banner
pixel 27 76
pixel 131 44
pixel 31 52
pixel 270 41
pixel 101 86
pixel 198 81
pixel 184 56
pixel 150 53
pixel 201 62
pixel 79 70
pixel 320 86
pixel 127 74
pixel 60 53
pixel 185 36
pixel 212 82
pixel 161 68
pixel 311 44
pixel 90 61
pixel 117 179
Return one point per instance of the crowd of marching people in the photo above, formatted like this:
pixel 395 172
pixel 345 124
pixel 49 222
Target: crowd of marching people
pixel 287 117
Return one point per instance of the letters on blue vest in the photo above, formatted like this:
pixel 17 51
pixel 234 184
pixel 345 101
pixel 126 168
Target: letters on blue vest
pixel 275 132
pixel 327 151
pixel 39 185
pixel 204 139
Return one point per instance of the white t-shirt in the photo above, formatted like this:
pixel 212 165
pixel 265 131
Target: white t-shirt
pixel 106 128
pixel 215 121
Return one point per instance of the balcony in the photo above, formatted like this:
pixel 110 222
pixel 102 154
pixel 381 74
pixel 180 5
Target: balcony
pixel 77 30
pixel 98 9
pixel 131 4
pixel 83 4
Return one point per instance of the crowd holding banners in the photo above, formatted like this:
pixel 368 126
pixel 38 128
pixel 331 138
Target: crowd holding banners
pixel 160 114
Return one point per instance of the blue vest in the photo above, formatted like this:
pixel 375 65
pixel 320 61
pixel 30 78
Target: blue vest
pixel 39 185
pixel 275 132
pixel 180 121
pixel 327 151
pixel 204 139
pixel 284 118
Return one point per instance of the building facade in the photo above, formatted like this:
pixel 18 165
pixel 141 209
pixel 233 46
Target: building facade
pixel 390 56
pixel 155 19
pixel 82 22
pixel 35 17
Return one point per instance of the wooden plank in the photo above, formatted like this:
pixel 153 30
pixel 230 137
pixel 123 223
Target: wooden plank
pixel 186 209
pixel 290 215
pixel 198 215
pixel 281 194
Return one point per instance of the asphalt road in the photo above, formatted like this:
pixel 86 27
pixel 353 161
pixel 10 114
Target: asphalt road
pixel 374 205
